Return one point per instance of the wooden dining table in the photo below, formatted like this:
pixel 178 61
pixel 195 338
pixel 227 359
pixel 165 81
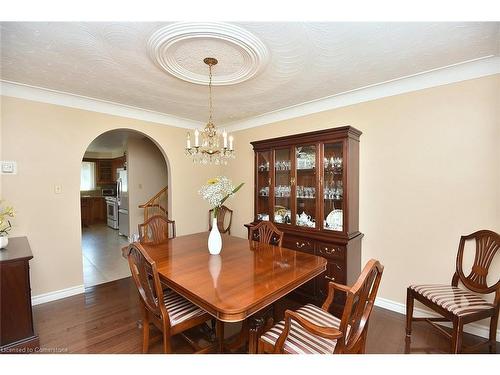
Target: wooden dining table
pixel 245 278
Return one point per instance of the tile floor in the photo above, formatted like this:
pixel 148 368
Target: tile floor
pixel 102 257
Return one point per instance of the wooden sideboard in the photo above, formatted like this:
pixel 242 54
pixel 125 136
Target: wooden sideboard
pixel 16 319
pixel 308 186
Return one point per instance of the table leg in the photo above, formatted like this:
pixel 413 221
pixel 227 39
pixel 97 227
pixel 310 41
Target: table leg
pixel 258 324
pixel 220 336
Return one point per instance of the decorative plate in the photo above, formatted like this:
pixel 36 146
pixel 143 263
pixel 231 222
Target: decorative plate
pixel 334 219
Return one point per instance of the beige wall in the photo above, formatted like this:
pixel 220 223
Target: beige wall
pixel 429 172
pixel 48 142
pixel 147 175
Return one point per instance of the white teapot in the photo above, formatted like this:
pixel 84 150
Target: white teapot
pixel 304 218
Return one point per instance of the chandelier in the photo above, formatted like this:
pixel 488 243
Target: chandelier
pixel 206 148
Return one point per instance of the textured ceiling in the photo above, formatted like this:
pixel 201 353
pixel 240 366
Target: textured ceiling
pixel 113 141
pixel 307 61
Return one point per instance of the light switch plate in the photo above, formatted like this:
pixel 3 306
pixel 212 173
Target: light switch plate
pixel 8 167
pixel 57 189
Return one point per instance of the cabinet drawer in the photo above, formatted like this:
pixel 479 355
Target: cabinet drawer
pixel 297 243
pixel 335 271
pixel 329 250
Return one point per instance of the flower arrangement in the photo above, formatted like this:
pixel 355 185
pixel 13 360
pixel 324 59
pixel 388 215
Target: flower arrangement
pixel 217 191
pixel 5 225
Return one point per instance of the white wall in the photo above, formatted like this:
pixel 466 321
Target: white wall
pixel 147 175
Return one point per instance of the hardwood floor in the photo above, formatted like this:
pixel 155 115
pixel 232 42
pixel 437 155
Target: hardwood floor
pixel 104 320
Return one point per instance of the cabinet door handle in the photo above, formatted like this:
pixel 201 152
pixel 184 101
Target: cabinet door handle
pixel 330 278
pixel 328 250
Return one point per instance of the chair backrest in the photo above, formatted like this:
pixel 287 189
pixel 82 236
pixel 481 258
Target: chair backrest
pixel 221 218
pixel 155 230
pixel 146 279
pixel 358 307
pixel 487 246
pixel 266 232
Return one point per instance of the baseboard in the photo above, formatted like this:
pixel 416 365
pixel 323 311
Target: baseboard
pixel 400 308
pixel 57 294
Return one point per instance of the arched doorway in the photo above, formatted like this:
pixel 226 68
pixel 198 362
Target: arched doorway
pixel 121 170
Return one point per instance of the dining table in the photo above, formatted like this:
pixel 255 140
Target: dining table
pixel 235 285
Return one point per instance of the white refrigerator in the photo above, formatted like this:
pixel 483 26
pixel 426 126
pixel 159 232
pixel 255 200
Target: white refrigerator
pixel 122 198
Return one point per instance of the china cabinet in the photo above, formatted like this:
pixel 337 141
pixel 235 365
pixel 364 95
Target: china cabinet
pixel 308 185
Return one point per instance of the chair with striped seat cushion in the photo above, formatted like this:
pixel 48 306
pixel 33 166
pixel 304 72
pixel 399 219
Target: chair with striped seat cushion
pixel 180 309
pixel 301 341
pixel 456 300
pixel 166 310
pixel 461 305
pixel 311 329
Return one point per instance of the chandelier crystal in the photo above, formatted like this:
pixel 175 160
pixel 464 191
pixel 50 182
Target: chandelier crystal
pixel 207 147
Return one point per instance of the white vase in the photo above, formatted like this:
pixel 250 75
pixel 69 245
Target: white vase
pixel 4 241
pixel 214 239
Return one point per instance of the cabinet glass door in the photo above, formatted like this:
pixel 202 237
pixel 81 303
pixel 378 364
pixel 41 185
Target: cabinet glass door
pixel 305 186
pixel 282 186
pixel 263 185
pixel 333 186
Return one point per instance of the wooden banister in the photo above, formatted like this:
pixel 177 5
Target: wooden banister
pixel 157 205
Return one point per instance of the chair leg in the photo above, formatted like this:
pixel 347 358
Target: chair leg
pixel 145 330
pixel 260 347
pixel 493 333
pixel 166 342
pixel 409 311
pixel 456 338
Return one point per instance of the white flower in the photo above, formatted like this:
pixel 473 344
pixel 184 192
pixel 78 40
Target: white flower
pixel 216 190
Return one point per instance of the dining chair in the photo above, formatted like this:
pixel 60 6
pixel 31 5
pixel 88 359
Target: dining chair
pixel 462 305
pixel 155 230
pixel 221 219
pixel 266 232
pixel 313 330
pixel 166 310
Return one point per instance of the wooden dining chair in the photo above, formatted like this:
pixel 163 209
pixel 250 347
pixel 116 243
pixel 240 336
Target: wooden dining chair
pixel 313 330
pixel 155 230
pixel 266 232
pixel 222 212
pixel 462 305
pixel 166 310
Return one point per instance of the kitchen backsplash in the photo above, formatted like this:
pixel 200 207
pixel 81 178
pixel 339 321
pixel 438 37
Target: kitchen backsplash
pixel 97 192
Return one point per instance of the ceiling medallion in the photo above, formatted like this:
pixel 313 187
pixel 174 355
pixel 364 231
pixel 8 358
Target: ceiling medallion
pixel 179 49
pixel 208 150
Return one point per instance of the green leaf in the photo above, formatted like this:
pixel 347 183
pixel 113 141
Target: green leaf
pixel 233 192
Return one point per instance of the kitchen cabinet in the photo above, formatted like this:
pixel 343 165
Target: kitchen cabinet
pixel 105 172
pixel 116 164
pixel 93 210
pixel 308 186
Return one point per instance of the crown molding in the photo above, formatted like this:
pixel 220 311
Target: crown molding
pixel 463 71
pixel 44 95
